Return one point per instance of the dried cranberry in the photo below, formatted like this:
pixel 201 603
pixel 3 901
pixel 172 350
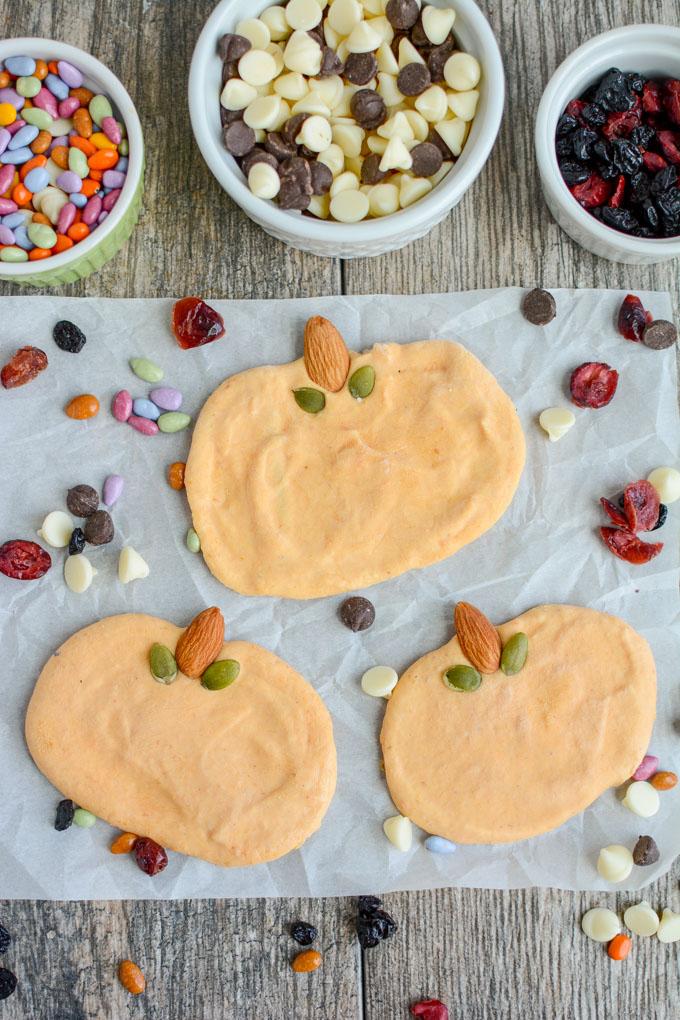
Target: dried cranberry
pixel 23 561
pixel 668 140
pixel 641 506
pixel 653 161
pixel 303 933
pixel 651 97
pixel 150 856
pixel 663 514
pixel 593 384
pixel 595 191
pixel 575 109
pixel 671 100
pixel 195 323
pixel 613 512
pixel 22 367
pixel 619 192
pixel 629 547
pixel 632 318
pixel 430 1009
pixel 620 125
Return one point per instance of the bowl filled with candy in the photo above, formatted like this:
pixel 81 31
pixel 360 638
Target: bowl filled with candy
pixel 348 127
pixel 71 163
pixel 608 144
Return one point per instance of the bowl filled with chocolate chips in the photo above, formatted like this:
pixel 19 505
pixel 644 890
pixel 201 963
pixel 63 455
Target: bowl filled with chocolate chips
pixel 350 127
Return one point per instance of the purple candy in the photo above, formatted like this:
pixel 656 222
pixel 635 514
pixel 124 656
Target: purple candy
pixel 166 397
pixel 8 95
pixel 6 236
pixel 102 217
pixel 79 201
pixel 57 87
pixel 60 140
pixel 66 217
pixel 4 139
pixel 16 126
pixel 16 156
pixel 121 408
pixel 109 200
pixel 46 101
pixel 7 206
pixel 23 137
pixel 647 767
pixel 6 177
pixel 70 74
pixel 112 178
pixel 144 425
pixel 68 181
pixel 67 107
pixel 92 210
pixel 113 489
pixel 111 129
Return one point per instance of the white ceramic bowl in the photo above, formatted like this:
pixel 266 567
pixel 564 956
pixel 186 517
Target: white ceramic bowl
pixel 324 237
pixel 104 242
pixel 653 50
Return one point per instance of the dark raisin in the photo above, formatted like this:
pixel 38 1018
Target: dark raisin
pixel 563 148
pixel 663 514
pixel 303 933
pixel 373 927
pixel 8 983
pixel 668 205
pixel 574 173
pixel 68 337
pixel 565 125
pixel 613 92
pixel 77 542
pixel 582 142
pixel 665 179
pixel 603 152
pixel 5 939
pixel 620 219
pixel 626 156
pixel 649 214
pixel 635 81
pixel 367 905
pixel 642 135
pixel 639 187
pixel 594 115
pixel 65 812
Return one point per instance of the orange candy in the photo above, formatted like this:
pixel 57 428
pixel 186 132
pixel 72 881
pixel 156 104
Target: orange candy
pixel 63 243
pixel 124 843
pixel 35 254
pixel 4 79
pixel 42 142
pixel 82 94
pixel 103 159
pixel 53 66
pixel 41 70
pixel 131 977
pixel 619 947
pixel 176 475
pixel 31 164
pixel 84 406
pixel 305 963
pixel 59 155
pixel 83 144
pixel 82 122
pixel 39 217
pixel 664 780
pixel 78 232
pixel 89 187
pixel 21 195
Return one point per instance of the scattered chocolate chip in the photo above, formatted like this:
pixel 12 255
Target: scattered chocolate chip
pixel 8 983
pixel 330 63
pixel 82 500
pixel 232 47
pixel 427 159
pixel 322 178
pixel 402 14
pixel 239 139
pixel 419 36
pixel 291 129
pixel 308 154
pixel 370 169
pixel 357 613
pixel 65 812
pixel 368 109
pixel 258 155
pixel 360 68
pixel 538 306
pixel 645 851
pixel 413 79
pixel 303 933
pixel 290 196
pixel 5 940
pixel 279 147
pixel 659 335
pixel 438 57
pixel 99 528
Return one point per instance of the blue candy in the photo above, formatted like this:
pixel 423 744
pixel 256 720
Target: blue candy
pixel 16 156
pixel 79 201
pixel 57 87
pixel 22 67
pixel 22 239
pixel 23 137
pixel 144 408
pixel 13 219
pixel 122 164
pixel 439 845
pixel 37 179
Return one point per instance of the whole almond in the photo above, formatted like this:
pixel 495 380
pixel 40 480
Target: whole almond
pixel 326 354
pixel 478 638
pixel 201 643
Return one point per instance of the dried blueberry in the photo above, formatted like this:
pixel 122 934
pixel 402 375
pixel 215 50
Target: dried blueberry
pixel 65 812
pixel 594 115
pixel 664 179
pixel 373 924
pixel 642 135
pixel 649 214
pixel 620 219
pixel 68 337
pixel 77 542
pixel 565 125
pixel 574 173
pixel 663 514
pixel 563 148
pixel 639 187
pixel 668 205
pixel 5 939
pixel 582 142
pixel 303 933
pixel 626 156
pixel 8 983
pixel 613 92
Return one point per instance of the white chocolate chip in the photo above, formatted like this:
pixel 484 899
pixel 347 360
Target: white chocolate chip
pixel 56 529
pixel 437 23
pixel 257 67
pixel 330 89
pixel 275 19
pixel 666 481
pixel 350 138
pixel 383 199
pixel 349 207
pixel 641 919
pixel 464 104
pixel 379 681
pixel 334 158
pixel 346 181
pixel 412 189
pixel 376 144
pixel 389 90
pixel 342 51
pixel 453 132
pixel 432 104
pixel 669 926
pixel 382 27
pixel 343 15
pixel 600 924
pixel 333 38
pixel 342 107
pixel 78 573
pixel 354 165
pixel 642 799
pixel 316 133
pixel 303 54
pixel 255 31
pixel 408 54
pixel 291 86
pixel 264 181
pixel 312 103
pixel 399 831
pixel 398 126
pixel 396 156
pixel 237 94
pixel 462 72
pixel 441 173
pixel 363 38
pixel 373 6
pixel 556 421
pixel 419 126
pixel 277 53
pixel 320 206
pixel 615 863
pixel 131 566
pixel 263 112
pixel 387 62
pixel 303 14
pixel 284 115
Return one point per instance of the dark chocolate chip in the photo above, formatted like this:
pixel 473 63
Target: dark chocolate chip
pixel 413 79
pixel 229 71
pixel 402 14
pixel 291 129
pixel 645 852
pixel 317 35
pixel 438 57
pixel 360 68
pixel 258 155
pixel 419 36
pixel 370 169
pixel 659 335
pixel 279 147
pixel 322 178
pixel 330 63
pixel 357 613
pixel 296 183
pixel 232 47
pixel 82 500
pixel 368 109
pixel 290 196
pixel 99 528
pixel 436 139
pixel 538 306
pixel 239 139
pixel 229 116
pixel 427 159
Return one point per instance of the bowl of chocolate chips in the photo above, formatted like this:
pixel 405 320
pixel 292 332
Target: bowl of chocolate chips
pixel 350 127
pixel 608 144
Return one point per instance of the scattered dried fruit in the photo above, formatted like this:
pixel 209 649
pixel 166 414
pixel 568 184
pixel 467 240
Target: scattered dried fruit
pixel 124 844
pixel 632 318
pixel 131 977
pixel 176 475
pixel 195 323
pixel 150 856
pixel 201 643
pixel 24 366
pixel 664 780
pixel 593 384
pixel 373 924
pixel 641 506
pixel 68 337
pixel 326 355
pixel 23 561
pixel 307 961
pixel 629 547
pixel 613 512
pixel 430 1009
pixel 66 809
pixel 303 933
pixel 82 407
pixel 478 638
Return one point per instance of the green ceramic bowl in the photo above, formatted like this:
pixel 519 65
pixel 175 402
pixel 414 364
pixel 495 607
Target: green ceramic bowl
pixel 106 240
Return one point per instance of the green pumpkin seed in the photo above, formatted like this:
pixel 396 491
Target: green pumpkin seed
pixel 310 400
pixel 193 541
pixel 361 382
pixel 221 674
pixel 162 663
pixel 462 678
pixel 173 421
pixel 147 370
pixel 514 654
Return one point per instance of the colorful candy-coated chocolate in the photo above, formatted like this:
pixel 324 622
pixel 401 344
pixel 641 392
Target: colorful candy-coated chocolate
pixel 121 407
pixel 144 408
pixel 439 845
pixel 143 425
pixel 113 489
pixel 166 397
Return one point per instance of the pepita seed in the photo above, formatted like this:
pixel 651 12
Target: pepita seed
pixel 310 400
pixel 162 663
pixel 462 678
pixel 361 382
pixel 221 674
pixel 514 654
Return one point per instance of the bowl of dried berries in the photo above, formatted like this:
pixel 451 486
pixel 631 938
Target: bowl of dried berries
pixel 346 128
pixel 608 144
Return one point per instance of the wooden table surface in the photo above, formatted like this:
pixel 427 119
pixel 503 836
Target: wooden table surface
pixel 488 955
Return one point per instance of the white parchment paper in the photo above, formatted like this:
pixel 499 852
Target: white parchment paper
pixel 545 549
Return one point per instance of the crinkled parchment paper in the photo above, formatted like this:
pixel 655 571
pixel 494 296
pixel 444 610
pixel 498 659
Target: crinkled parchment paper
pixel 545 549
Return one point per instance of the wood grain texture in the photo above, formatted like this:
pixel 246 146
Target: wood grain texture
pixel 489 955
